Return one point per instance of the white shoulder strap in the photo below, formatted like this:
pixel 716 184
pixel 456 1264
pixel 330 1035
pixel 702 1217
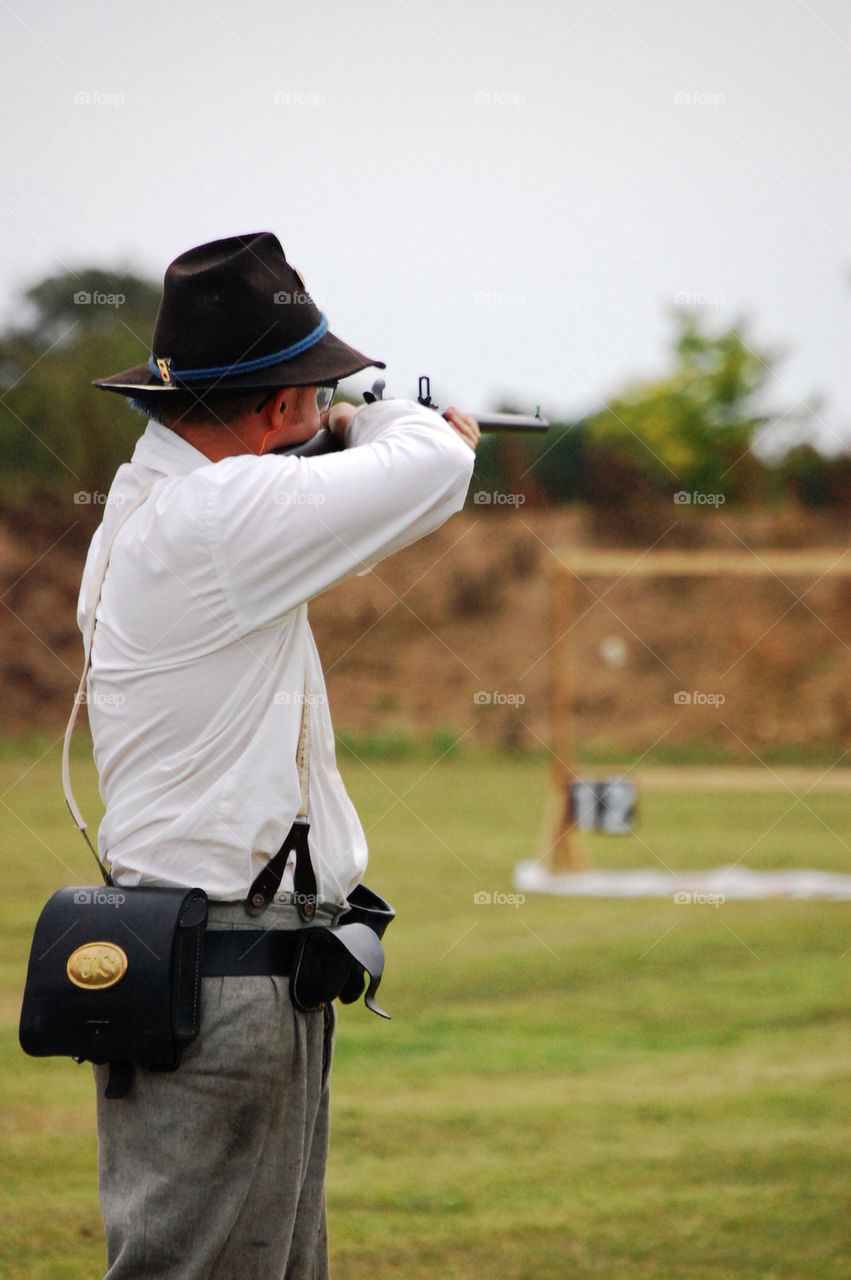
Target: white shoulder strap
pixel 93 593
pixel 303 753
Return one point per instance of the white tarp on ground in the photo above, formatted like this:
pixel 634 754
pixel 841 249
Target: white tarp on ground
pixel 684 886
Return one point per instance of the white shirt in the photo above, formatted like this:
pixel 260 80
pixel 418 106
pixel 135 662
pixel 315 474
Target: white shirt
pixel 202 642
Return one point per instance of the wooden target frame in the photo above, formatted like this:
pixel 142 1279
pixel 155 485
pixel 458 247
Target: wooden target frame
pixel 565 851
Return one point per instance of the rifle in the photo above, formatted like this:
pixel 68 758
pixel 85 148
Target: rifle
pixel 326 442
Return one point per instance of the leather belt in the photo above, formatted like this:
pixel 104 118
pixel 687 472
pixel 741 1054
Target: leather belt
pixel 250 952
pixel 321 963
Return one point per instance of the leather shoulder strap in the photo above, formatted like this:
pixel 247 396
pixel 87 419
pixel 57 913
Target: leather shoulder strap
pixel 93 594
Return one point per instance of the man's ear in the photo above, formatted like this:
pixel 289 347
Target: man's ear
pixel 273 409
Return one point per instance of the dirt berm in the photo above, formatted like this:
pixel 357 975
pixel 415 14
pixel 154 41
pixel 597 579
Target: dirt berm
pixel 454 634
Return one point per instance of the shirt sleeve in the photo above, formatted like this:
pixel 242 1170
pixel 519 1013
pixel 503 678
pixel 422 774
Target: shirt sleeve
pixel 283 529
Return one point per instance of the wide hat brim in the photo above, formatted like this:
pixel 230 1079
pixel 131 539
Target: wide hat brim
pixel 329 361
pixel 236 316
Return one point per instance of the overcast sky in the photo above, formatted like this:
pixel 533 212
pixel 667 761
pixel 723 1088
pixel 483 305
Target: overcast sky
pixel 508 196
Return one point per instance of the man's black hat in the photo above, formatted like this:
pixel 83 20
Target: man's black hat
pixel 236 316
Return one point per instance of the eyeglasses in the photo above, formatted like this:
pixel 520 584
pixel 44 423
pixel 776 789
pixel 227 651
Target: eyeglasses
pixel 324 397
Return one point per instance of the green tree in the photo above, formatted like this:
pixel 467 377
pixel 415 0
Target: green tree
pixel 548 468
pixel 59 435
pixel 693 429
pixel 815 480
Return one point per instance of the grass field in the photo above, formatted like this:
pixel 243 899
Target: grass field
pixel 568 1088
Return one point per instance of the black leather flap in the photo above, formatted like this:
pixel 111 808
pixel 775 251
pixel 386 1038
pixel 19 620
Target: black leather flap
pixel 114 974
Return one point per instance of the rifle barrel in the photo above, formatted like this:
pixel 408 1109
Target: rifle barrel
pixel 511 422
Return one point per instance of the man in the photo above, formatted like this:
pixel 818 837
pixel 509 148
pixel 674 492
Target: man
pixel 205 686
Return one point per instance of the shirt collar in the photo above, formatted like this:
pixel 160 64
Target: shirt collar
pixel 163 450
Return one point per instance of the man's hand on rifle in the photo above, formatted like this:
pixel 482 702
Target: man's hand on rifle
pixel 338 417
pixel 465 424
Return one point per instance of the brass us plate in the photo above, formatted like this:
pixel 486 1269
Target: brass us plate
pixel 97 965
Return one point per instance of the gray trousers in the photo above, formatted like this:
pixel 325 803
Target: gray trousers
pixel 216 1171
